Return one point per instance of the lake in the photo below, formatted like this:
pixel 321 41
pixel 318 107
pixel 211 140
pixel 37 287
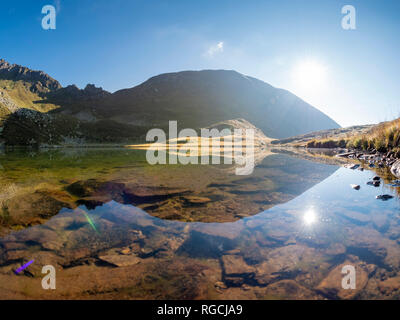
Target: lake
pixel 115 227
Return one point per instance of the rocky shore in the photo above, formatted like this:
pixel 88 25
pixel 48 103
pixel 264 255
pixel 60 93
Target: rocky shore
pixel 374 159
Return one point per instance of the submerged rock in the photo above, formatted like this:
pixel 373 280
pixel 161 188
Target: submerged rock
pixel 121 260
pixel 193 200
pixel 375 183
pixel 235 265
pixel 384 197
pixel 389 286
pixel 220 285
pixel 290 289
pixel 351 166
pixel 395 183
pixel 237 271
pixel 331 285
pixel 286 262
pixel 345 155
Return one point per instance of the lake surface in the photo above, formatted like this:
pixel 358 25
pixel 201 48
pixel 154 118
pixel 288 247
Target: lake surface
pixel 115 227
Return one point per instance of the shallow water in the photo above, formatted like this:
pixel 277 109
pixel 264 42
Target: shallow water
pixel 285 232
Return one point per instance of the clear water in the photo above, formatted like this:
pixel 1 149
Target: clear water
pixel 301 223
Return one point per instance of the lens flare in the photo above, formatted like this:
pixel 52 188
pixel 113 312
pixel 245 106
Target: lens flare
pixel 90 222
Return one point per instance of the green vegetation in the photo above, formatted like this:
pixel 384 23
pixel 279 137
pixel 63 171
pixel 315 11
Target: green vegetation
pixel 31 128
pixel 20 93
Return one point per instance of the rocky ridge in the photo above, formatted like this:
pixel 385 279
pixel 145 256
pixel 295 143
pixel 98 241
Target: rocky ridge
pixel 41 82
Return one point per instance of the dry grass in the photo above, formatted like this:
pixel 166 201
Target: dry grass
pixel 383 137
pixel 327 143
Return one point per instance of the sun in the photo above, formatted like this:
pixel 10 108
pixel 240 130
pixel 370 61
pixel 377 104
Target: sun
pixel 310 75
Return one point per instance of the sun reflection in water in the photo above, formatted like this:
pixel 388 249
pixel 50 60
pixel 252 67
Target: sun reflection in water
pixel 310 217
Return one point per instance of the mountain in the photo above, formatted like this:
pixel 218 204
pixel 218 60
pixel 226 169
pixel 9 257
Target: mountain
pixel 40 81
pixel 21 87
pixel 77 102
pixel 195 99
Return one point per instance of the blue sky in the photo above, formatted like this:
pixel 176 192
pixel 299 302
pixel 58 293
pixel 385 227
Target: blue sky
pixel 287 43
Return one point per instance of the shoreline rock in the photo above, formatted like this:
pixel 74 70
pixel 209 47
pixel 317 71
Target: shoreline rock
pixel 395 169
pixel 374 159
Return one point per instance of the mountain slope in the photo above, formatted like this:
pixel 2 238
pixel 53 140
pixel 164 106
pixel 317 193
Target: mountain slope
pixel 195 99
pixel 198 98
pixel 21 87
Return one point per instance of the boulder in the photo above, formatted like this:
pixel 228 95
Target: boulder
pixel 331 285
pixel 395 169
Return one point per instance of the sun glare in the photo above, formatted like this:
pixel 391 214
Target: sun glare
pixel 310 217
pixel 310 74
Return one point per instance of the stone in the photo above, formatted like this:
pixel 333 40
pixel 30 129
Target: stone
pixel 395 169
pixel 384 197
pixel 193 200
pixel 375 183
pixel 125 251
pixel 121 260
pixel 53 245
pixel 226 231
pixel 351 166
pixel 331 285
pixel 236 266
pixel 136 235
pixel 220 285
pixel 10 245
pixel 389 286
pixel 17 254
pixel 286 261
pixel 290 289
pixel 336 249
